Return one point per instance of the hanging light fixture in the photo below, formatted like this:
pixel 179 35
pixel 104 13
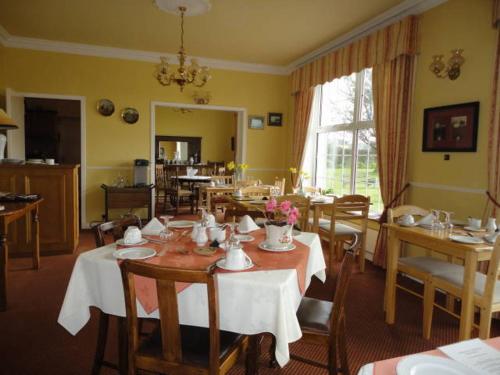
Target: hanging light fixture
pixel 193 74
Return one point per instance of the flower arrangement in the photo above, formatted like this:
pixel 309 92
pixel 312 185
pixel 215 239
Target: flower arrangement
pixel 232 166
pixel 283 213
pixel 297 176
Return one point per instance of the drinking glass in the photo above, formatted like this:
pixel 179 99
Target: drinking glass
pixel 166 233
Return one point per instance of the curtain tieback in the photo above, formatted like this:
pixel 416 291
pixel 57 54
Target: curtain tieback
pixel 383 217
pixel 493 200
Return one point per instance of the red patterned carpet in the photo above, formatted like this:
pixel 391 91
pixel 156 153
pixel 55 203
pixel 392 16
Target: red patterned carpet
pixel 31 341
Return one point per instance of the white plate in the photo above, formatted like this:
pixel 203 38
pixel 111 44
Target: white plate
pixel 408 225
pixel 244 237
pixel 121 242
pixel 466 239
pixel 134 253
pixel 221 263
pixel 181 224
pixel 288 247
pixel 424 364
pixel 474 229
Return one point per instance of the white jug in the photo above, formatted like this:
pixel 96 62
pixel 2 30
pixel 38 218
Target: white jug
pixel 201 237
pixel 491 226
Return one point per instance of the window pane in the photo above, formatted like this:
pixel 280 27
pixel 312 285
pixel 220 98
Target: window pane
pixel 333 168
pixel 367 182
pixel 337 102
pixel 367 96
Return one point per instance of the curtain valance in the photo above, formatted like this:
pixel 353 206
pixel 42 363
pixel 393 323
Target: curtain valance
pixel 377 48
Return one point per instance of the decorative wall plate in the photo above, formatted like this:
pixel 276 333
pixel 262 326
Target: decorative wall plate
pixel 105 107
pixel 130 115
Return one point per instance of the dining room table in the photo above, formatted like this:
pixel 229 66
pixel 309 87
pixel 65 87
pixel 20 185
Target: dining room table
pixel 263 299
pixel 390 366
pixel 437 241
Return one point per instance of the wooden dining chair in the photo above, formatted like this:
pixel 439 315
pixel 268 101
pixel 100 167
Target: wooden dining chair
pixel 486 291
pixel 303 204
pixel 247 183
pixel 235 213
pixel 323 322
pixel 279 185
pixel 176 191
pixel 256 191
pixel 175 348
pixel 115 230
pixel 223 180
pixel 160 185
pixel 422 268
pixel 311 190
pixel 326 222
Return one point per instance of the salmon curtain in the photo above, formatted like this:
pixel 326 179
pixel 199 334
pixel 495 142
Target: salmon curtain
pixel 392 97
pixel 302 114
pixel 493 193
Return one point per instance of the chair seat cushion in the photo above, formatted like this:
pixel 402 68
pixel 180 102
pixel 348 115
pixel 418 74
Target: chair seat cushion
pixel 457 278
pixel 429 265
pixel 195 342
pixel 314 315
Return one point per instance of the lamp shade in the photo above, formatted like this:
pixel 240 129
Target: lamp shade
pixel 6 122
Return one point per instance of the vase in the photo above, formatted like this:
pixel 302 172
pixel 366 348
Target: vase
pixel 278 234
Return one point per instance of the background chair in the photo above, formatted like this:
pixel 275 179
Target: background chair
pixel 160 184
pixel 175 348
pixel 115 230
pixel 256 191
pixel 175 190
pixel 346 208
pixel 279 186
pixel 311 190
pixel 246 183
pixel 486 291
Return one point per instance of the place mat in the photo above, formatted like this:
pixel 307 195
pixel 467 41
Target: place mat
pixel 388 366
pixel 172 258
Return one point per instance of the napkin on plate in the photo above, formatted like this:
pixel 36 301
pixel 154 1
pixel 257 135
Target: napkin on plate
pixel 247 224
pixel 153 228
pixel 426 220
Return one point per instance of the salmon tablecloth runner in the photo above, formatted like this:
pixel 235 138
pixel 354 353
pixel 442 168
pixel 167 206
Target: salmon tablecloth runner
pixel 173 258
pixel 388 366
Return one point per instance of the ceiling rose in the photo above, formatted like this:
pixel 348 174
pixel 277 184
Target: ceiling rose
pixel 193 7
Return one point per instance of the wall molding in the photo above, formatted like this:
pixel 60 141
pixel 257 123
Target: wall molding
pixel 394 14
pixel 390 16
pixel 458 189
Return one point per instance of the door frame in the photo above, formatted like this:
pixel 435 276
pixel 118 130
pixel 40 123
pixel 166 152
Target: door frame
pixel 9 93
pixel 241 139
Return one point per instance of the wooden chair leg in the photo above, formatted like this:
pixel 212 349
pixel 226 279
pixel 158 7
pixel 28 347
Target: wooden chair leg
pixel 485 323
pixel 331 257
pixel 428 301
pixel 272 353
pixel 344 365
pixel 102 336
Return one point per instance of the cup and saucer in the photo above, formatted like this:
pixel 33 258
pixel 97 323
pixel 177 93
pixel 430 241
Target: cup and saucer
pixel 407 221
pixel 235 260
pixel 132 237
pixel 474 225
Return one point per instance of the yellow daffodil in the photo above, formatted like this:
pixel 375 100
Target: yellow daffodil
pixel 292 170
pixel 230 165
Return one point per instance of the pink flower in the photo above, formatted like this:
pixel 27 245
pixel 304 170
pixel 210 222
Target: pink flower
pixel 293 215
pixel 271 205
pixel 285 207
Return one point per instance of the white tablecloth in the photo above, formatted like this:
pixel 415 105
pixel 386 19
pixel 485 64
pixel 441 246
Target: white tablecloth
pixel 249 302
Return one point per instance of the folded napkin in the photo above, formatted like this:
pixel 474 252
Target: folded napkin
pixel 153 228
pixel 426 220
pixel 247 224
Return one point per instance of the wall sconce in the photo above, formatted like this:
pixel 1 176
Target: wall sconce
pixel 452 71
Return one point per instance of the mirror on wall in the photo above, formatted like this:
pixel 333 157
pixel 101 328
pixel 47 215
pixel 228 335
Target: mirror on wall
pixel 170 147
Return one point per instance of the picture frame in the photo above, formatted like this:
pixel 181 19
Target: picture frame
pixel 256 122
pixel 274 119
pixel 451 128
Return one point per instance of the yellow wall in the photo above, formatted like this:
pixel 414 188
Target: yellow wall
pixel 214 127
pixel 112 144
pixel 456 24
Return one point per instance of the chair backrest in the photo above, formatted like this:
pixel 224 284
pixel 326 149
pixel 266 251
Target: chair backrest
pixel 394 213
pixel 280 186
pixel 171 357
pixel 159 176
pixel 493 273
pixel 341 288
pixel 116 227
pixel 247 183
pixel 226 180
pixel 302 203
pixel 257 191
pixel 235 213
pixel 311 189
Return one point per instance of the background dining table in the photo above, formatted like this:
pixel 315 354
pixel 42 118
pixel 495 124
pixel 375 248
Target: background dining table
pixel 251 302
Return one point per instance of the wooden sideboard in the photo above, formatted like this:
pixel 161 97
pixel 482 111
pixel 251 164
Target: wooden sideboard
pixel 58 213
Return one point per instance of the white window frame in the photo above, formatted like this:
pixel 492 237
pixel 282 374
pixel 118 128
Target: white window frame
pixel 315 128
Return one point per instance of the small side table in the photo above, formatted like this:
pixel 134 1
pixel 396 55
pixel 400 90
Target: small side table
pixel 127 197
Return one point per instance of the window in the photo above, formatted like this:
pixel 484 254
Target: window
pixel 341 154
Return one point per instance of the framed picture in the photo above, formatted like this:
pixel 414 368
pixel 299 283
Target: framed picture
pixel 451 128
pixel 256 122
pixel 274 119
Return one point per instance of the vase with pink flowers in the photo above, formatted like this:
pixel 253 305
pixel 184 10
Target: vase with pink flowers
pixel 280 221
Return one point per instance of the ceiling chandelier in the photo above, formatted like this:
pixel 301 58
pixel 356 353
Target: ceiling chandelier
pixel 193 74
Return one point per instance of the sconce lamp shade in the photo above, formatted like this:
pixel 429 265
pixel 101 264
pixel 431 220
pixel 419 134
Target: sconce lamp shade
pixel 6 123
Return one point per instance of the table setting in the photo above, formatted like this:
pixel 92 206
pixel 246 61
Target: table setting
pixel 259 291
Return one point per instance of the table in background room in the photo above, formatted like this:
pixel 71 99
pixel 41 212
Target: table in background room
pixel 128 198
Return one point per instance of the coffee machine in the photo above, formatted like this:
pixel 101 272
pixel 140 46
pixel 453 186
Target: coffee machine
pixel 141 172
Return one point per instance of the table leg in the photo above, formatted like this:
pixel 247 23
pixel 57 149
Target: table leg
pixel 393 246
pixel 467 309
pixel 253 354
pixel 3 271
pixel 35 230
pixel 122 346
